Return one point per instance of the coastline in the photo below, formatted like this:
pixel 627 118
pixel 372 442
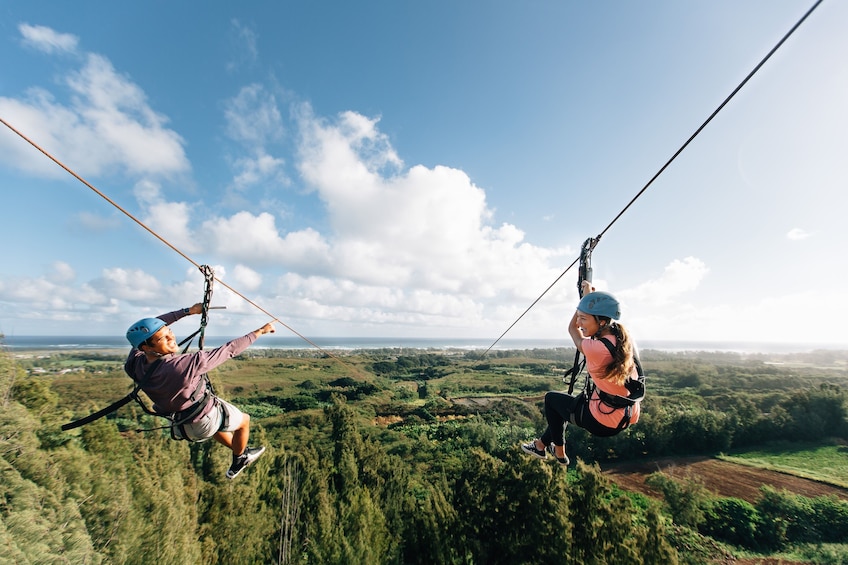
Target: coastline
pixel 117 344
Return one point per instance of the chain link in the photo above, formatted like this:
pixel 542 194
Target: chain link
pixel 209 277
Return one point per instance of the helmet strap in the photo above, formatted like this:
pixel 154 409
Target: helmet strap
pixel 148 351
pixel 602 326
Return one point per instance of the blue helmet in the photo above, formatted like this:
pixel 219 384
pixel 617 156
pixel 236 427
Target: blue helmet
pixel 143 330
pixel 600 304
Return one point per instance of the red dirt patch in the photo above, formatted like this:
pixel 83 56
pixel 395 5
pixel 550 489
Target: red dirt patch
pixel 386 420
pixel 723 478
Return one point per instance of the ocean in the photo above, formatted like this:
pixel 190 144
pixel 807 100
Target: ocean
pixel 59 343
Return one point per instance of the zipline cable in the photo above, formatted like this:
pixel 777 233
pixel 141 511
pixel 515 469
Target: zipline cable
pixel 169 244
pixel 667 163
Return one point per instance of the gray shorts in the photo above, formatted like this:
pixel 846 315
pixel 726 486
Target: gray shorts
pixel 224 417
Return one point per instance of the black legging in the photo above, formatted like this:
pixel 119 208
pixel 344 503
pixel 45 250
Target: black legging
pixel 562 408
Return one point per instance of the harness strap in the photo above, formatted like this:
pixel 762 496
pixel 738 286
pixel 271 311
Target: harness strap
pixel 99 414
pixel 183 416
pixel 635 389
pixel 115 405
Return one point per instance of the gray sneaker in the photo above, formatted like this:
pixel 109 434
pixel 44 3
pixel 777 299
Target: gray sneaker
pixel 241 462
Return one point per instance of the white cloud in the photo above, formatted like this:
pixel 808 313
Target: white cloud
pixel 133 285
pixel 59 304
pixel 660 307
pixel 246 51
pixel 256 240
pixel 47 40
pixel 246 278
pixel 678 277
pixel 758 318
pixel 106 124
pixel 418 311
pixel 414 248
pixel 667 308
pixel 252 117
pixel 45 300
pixel 254 121
pixel 123 124
pixel 251 171
pixel 62 273
pixel 428 228
pixel 169 220
pixel 411 247
pixel 797 234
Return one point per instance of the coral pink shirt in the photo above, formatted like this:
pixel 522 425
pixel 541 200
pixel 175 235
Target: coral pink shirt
pixel 598 359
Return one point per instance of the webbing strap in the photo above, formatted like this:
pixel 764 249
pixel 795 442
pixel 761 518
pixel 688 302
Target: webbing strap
pixel 99 414
pixel 115 405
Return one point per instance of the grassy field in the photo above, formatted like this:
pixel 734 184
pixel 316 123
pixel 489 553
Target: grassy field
pixel 824 462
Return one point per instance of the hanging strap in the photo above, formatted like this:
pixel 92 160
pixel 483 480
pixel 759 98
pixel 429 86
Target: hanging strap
pixel 100 413
pixel 115 405
pixel 584 274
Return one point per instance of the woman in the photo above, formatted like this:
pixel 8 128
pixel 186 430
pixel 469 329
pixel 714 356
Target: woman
pixel 612 366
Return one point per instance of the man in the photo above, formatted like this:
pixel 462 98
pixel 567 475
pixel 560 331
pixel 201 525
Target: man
pixel 178 386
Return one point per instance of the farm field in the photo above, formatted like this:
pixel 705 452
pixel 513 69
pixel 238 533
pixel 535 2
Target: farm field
pixel 723 478
pixel 826 463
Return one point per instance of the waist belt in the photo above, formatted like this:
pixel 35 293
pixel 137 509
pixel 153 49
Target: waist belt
pixel 186 415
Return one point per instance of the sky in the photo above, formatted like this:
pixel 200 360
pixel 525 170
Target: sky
pixel 425 169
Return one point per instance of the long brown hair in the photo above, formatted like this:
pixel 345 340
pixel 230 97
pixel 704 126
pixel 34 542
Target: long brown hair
pixel 621 367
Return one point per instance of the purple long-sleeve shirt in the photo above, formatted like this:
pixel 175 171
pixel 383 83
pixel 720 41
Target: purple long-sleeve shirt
pixel 177 376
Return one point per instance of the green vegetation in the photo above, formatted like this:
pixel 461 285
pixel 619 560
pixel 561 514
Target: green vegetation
pixel 398 457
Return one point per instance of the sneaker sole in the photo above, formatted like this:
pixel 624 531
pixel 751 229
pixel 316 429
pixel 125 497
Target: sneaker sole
pixel 255 457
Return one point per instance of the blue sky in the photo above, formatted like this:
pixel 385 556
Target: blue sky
pixel 425 169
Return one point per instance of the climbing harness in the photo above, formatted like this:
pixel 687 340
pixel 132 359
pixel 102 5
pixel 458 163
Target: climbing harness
pixel 199 397
pixel 635 390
